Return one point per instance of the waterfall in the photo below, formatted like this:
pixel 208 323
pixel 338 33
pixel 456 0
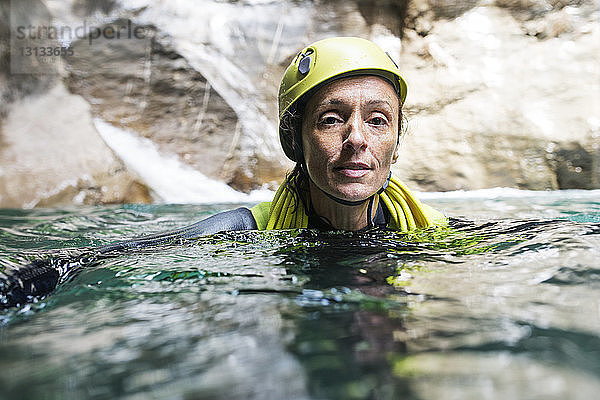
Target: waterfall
pixel 169 179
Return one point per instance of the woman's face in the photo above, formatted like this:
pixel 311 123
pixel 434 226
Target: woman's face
pixel 349 136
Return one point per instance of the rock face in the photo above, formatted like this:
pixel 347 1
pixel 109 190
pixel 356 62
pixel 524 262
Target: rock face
pixel 52 155
pixel 150 89
pixel 50 152
pixel 501 93
pixel 492 103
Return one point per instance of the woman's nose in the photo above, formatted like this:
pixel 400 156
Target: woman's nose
pixel 355 133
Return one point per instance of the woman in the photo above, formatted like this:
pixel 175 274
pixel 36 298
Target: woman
pixel 340 120
pixel 340 112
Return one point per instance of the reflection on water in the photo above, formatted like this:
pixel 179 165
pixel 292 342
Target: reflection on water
pixel 491 308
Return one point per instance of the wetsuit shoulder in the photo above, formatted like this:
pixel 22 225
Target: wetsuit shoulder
pixel 435 217
pixel 261 214
pixel 240 219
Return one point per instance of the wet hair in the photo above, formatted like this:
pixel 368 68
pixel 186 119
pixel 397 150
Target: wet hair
pixel 297 180
pixel 291 127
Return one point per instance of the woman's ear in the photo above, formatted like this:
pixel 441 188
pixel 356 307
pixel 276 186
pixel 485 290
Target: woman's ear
pixel 396 151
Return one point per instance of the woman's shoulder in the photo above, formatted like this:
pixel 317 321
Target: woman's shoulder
pixel 260 212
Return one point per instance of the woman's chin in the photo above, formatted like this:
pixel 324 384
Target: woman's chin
pixel 354 192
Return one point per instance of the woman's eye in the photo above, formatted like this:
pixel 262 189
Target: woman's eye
pixel 377 121
pixel 330 120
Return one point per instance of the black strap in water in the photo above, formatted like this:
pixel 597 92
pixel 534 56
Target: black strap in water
pixel 370 223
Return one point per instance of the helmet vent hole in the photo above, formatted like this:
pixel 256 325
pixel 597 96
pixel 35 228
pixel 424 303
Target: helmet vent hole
pixel 304 65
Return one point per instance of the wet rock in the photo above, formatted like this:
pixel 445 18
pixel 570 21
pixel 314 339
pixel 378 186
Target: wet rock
pixel 52 155
pixel 149 88
pixel 389 13
pixel 485 101
pixel 85 8
pixel 142 86
pixel 50 152
pixel 575 166
pixel 15 85
pixel 501 93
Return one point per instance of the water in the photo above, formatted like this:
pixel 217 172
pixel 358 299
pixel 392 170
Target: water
pixel 504 305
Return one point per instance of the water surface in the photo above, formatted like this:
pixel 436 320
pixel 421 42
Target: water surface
pixel 505 304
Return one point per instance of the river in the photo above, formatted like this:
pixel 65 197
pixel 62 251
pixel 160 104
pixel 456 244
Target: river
pixel 502 305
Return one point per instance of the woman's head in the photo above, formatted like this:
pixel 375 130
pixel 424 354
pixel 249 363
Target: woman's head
pixel 322 62
pixel 350 135
pixel 340 104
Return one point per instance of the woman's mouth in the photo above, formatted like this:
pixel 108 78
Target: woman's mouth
pixel 353 169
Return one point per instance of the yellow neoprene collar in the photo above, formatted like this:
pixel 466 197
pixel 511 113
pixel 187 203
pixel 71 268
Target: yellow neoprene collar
pixel 406 211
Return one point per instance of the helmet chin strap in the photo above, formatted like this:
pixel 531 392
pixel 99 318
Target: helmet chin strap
pixel 342 201
pixel 357 202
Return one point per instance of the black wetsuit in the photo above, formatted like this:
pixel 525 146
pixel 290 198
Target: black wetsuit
pixel 40 277
pixel 240 219
pixel 380 221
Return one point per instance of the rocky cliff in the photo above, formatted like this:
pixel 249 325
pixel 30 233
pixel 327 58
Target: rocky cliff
pixel 501 93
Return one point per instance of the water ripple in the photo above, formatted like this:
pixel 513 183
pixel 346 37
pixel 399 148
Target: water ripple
pixel 430 312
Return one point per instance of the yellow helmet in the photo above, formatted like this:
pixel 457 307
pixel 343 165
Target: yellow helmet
pixel 321 61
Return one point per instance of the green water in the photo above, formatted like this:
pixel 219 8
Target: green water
pixel 505 305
